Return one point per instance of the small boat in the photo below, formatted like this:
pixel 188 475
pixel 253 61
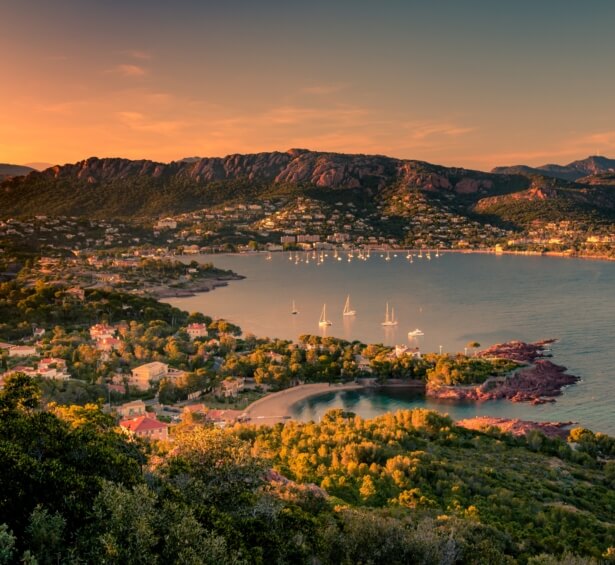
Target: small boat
pixel 269 257
pixel 420 255
pixel 388 257
pixel 323 322
pixel 415 333
pixel 294 310
pixel 347 309
pixel 389 320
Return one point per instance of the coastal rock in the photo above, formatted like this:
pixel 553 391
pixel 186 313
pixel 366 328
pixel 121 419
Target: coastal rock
pixel 517 427
pixel 538 382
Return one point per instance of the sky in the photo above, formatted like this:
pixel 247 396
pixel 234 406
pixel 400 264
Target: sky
pixel 471 83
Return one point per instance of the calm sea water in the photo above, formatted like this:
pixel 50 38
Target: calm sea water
pixel 453 299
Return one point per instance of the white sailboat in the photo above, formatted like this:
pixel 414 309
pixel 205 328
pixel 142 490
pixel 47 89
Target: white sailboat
pixel 415 333
pixel 347 310
pixel 323 322
pixel 389 319
pixel 294 310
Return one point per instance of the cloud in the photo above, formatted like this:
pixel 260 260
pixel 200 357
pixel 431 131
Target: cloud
pixel 138 54
pixel 423 131
pixel 140 122
pixel 128 70
pixel 323 89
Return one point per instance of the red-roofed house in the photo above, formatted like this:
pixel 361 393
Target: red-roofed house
pixel 196 330
pixel 146 427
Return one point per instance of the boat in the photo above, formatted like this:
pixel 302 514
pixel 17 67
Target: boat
pixel 347 310
pixel 323 322
pixel 294 310
pixel 389 320
pixel 269 257
pixel 415 333
pixel 388 257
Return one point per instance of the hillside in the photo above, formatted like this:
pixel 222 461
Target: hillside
pixel 593 165
pixel 143 190
pixel 595 204
pixel 124 188
pixel 7 171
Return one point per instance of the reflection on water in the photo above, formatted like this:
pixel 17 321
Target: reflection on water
pixel 454 299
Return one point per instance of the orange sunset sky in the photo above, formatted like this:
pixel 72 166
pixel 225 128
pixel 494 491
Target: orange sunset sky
pixel 472 83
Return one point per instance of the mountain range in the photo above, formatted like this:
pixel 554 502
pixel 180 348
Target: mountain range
pixel 7 170
pixel 142 189
pixel 592 166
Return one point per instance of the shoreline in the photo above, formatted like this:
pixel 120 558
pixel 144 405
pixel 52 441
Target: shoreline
pixel 276 407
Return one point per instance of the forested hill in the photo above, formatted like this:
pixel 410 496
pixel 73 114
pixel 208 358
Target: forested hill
pixel 123 188
pixel 593 165
pixel 142 190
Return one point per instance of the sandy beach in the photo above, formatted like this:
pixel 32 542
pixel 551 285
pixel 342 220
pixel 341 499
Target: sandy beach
pixel 275 407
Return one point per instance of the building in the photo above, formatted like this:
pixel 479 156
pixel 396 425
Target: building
pixel 132 409
pixel 22 351
pixel 143 376
pixel 147 427
pixel 231 386
pixel 221 418
pixel 99 331
pixel 166 224
pixel 196 330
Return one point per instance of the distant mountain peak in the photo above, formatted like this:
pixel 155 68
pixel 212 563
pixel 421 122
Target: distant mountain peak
pixel 592 165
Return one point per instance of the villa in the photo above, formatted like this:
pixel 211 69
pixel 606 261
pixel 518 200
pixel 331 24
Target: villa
pixel 147 427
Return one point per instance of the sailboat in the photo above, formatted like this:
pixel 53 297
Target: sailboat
pixel 294 310
pixel 347 310
pixel 389 320
pixel 415 333
pixel 323 322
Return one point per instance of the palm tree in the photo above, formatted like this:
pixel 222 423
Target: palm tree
pixel 474 345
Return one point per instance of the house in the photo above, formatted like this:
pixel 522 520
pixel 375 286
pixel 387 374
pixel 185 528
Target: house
pixel 221 418
pixel 98 331
pixel 147 427
pixel 196 330
pixel 231 386
pixel 166 224
pixel 22 351
pixel 141 377
pixel 76 292
pixel 131 409
pixel 362 363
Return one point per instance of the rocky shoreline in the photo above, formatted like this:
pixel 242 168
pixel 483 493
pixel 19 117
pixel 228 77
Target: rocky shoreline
pixel 517 427
pixel 537 381
pixel 193 289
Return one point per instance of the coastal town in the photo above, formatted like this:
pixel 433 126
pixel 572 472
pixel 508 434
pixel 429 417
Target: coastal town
pixel 104 250
pixel 153 365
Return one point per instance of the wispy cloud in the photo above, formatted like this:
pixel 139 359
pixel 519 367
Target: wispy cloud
pixel 138 121
pixel 138 54
pixel 128 70
pixel 323 89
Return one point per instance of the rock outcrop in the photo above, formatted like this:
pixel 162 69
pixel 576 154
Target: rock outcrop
pixel 517 427
pixel 538 382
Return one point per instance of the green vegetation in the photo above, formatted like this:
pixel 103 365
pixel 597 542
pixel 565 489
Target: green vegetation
pixel 403 488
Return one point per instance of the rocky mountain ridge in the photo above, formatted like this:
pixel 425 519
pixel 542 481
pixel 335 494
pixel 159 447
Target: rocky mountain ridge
pixel 143 189
pixel 592 165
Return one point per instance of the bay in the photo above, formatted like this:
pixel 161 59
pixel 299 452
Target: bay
pixel 454 299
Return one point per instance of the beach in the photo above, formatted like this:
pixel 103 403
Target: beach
pixel 276 407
